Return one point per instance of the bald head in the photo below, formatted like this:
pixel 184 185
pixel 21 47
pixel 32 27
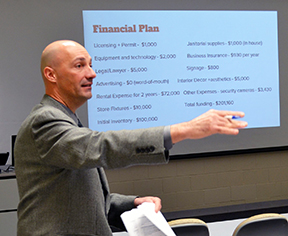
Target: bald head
pixel 53 54
pixel 67 73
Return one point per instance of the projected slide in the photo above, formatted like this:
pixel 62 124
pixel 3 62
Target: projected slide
pixel 164 67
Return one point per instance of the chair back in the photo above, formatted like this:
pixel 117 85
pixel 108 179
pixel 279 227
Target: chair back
pixel 189 227
pixel 268 224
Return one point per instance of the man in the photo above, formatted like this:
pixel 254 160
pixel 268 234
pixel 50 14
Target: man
pixel 59 164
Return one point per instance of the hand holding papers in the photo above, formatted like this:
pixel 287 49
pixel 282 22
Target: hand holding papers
pixel 143 221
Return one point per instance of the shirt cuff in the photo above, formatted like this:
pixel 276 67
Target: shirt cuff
pixel 167 138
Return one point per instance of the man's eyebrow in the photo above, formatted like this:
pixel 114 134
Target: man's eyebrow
pixel 79 59
pixel 82 59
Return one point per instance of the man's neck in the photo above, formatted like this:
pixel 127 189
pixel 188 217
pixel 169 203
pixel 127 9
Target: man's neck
pixel 64 102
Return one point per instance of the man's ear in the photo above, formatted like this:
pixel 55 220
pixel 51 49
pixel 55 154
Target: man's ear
pixel 49 74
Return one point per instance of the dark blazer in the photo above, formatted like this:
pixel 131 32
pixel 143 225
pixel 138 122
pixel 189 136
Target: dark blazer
pixel 59 170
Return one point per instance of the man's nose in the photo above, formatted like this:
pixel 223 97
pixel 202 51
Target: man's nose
pixel 92 73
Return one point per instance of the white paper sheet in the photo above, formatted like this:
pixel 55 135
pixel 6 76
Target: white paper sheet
pixel 143 221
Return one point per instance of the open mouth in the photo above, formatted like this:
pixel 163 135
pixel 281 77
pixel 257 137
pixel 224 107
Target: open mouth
pixel 86 85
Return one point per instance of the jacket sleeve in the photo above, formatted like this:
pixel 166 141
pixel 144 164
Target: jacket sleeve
pixel 119 204
pixel 62 143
